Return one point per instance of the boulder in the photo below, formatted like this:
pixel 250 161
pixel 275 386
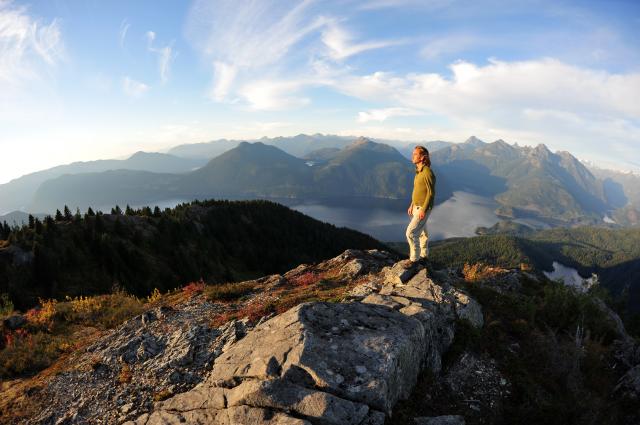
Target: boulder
pixel 323 344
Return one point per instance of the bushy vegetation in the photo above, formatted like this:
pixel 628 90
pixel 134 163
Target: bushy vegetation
pixel 51 329
pixel 559 368
pixel 552 344
pixel 138 250
pixel 612 254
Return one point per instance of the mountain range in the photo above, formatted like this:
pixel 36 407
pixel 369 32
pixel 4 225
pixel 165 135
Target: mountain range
pixel 18 193
pixel 526 182
pixel 362 169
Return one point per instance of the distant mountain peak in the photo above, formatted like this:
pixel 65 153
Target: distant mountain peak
pixel 146 155
pixel 541 151
pixel 361 140
pixel 474 141
pixel 542 148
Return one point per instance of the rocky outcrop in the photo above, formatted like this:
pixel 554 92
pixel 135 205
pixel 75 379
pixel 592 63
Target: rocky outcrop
pixel 330 363
pixel 157 354
pixel 345 362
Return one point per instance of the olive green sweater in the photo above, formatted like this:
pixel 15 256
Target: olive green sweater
pixel 424 188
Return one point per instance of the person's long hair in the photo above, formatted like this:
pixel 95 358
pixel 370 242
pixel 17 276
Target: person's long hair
pixel 426 159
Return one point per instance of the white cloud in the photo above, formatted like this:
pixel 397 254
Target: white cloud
pixel 273 94
pixel 540 101
pixel 385 114
pixel 28 47
pixel 133 88
pixel 502 89
pixel 124 28
pixel 224 76
pixel 165 56
pixel 340 42
pixel 248 34
pixel 151 36
pixel 250 45
pixel 385 4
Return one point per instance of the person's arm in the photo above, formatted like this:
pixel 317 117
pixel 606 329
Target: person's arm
pixel 429 180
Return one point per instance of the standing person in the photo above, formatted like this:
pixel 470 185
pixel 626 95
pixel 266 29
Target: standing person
pixel 422 198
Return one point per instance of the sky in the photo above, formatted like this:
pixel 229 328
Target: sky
pixel 94 79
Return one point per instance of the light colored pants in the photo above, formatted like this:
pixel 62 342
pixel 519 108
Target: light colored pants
pixel 417 235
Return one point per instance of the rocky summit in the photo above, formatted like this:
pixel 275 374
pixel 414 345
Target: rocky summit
pixel 348 361
pixel 330 363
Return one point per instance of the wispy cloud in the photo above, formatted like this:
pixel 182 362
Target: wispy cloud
pixel 386 113
pixel 341 45
pixel 124 28
pixel 531 101
pixel 385 4
pixel 28 47
pixel 133 88
pixel 241 38
pixel 274 94
pixel 166 56
pixel 257 47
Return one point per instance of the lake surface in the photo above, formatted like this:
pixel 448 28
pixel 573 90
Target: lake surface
pixel 386 220
pixel 570 277
pixel 458 216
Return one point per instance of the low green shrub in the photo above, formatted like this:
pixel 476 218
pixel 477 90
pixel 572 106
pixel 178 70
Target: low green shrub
pixel 26 353
pixel 228 291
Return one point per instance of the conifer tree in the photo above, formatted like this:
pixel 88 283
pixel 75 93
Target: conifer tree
pixel 157 212
pixel 99 224
pixel 90 212
pixel 31 222
pixel 129 211
pixel 49 223
pixel 38 226
pixel 67 213
pixel 59 216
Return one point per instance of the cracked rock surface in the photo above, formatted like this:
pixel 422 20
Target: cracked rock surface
pixel 344 362
pixel 330 363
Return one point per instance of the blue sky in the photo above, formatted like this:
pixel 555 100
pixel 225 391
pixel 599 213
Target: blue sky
pixel 89 79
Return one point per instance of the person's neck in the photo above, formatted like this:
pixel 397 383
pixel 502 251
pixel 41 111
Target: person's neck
pixel 420 166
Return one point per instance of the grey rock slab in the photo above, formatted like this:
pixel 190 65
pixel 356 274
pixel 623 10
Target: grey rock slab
pixel 365 289
pixel 200 397
pixel 317 406
pixel 237 415
pixel 353 269
pixel 383 300
pixel 310 340
pixel 467 308
pixel 440 420
pixel 245 415
pixel 397 274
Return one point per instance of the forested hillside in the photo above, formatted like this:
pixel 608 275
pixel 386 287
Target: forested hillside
pixel 613 254
pixel 219 241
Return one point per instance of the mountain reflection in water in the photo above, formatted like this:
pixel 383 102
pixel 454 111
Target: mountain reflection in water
pixel 458 216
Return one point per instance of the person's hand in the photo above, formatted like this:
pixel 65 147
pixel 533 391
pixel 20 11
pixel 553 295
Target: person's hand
pixel 421 214
pixel 410 210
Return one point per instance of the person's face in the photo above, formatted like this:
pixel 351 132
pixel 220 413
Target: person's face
pixel 417 156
